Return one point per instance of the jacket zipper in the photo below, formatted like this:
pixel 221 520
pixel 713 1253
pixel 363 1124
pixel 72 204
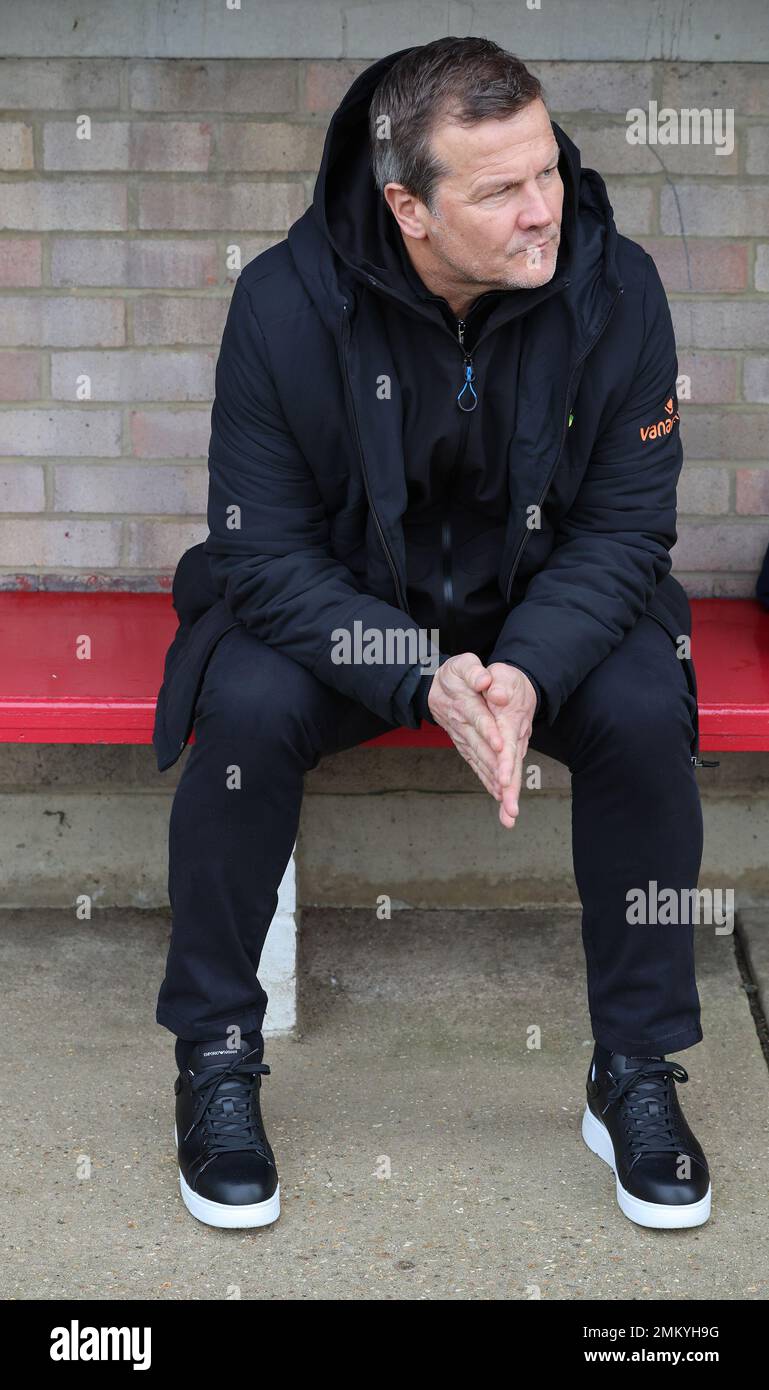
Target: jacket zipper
pixel 446 539
pixel 565 427
pixel 470 402
pixel 388 556
pixel 446 529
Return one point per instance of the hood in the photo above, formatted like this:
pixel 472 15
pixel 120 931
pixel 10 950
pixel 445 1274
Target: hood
pixel 348 236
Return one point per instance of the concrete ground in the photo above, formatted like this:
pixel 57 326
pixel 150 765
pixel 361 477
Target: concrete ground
pixel 425 1152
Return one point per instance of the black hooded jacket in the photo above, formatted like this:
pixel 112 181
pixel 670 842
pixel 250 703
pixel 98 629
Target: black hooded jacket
pixel 348 485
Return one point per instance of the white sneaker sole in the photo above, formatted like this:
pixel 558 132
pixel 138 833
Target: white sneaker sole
pixel 224 1215
pixel 659 1215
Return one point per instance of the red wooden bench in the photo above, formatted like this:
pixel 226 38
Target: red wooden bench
pixel 50 695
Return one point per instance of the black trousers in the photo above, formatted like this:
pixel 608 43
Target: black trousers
pixel 625 734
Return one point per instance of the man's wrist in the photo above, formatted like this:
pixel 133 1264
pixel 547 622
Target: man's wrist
pixel 419 699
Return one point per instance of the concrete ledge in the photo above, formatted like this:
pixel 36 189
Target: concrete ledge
pixel 416 826
pixel 361 770
pixel 434 850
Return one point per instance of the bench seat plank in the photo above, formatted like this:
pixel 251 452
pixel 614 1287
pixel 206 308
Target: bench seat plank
pixel 50 695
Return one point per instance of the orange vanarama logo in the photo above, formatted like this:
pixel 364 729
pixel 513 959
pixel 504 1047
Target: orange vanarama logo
pixel 663 426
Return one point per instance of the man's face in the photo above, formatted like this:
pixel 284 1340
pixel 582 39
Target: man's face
pixel 497 217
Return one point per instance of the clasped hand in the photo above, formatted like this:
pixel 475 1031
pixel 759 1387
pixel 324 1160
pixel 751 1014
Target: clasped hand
pixel 487 711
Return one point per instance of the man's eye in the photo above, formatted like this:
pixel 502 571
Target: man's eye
pixel 499 192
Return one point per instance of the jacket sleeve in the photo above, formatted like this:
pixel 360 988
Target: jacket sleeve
pixel 268 543
pixel 613 546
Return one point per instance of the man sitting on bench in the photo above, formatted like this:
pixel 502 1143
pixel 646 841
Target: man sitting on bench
pixel 445 404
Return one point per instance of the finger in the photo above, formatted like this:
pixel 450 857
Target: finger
pixel 511 727
pixel 489 780
pixel 478 714
pixel 506 764
pixel 482 776
pixel 467 726
pixel 497 692
pixel 480 679
pixel 470 671
pixel 507 820
pixel 487 775
pixel 512 792
pixel 486 760
pixel 508 809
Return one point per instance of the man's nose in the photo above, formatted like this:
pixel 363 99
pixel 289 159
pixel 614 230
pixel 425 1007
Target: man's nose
pixel 535 211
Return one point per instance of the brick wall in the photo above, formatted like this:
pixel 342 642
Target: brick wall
pixel 116 268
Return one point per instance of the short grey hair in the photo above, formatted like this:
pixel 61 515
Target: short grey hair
pixel 462 80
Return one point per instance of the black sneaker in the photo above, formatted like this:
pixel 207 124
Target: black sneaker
pixel 633 1121
pixel 227 1172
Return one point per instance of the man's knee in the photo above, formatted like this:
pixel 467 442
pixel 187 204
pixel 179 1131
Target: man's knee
pixel 639 707
pixel 249 688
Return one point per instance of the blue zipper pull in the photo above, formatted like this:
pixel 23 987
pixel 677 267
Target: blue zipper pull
pixel 469 378
pixel 469 373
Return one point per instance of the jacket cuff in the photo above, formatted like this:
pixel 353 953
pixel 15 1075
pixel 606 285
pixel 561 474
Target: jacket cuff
pixel 421 707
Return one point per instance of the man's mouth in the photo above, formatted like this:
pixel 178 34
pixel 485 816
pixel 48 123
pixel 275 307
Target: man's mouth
pixel 538 245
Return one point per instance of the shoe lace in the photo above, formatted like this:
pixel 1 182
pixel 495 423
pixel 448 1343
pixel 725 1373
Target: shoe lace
pixel 649 1112
pixel 230 1120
